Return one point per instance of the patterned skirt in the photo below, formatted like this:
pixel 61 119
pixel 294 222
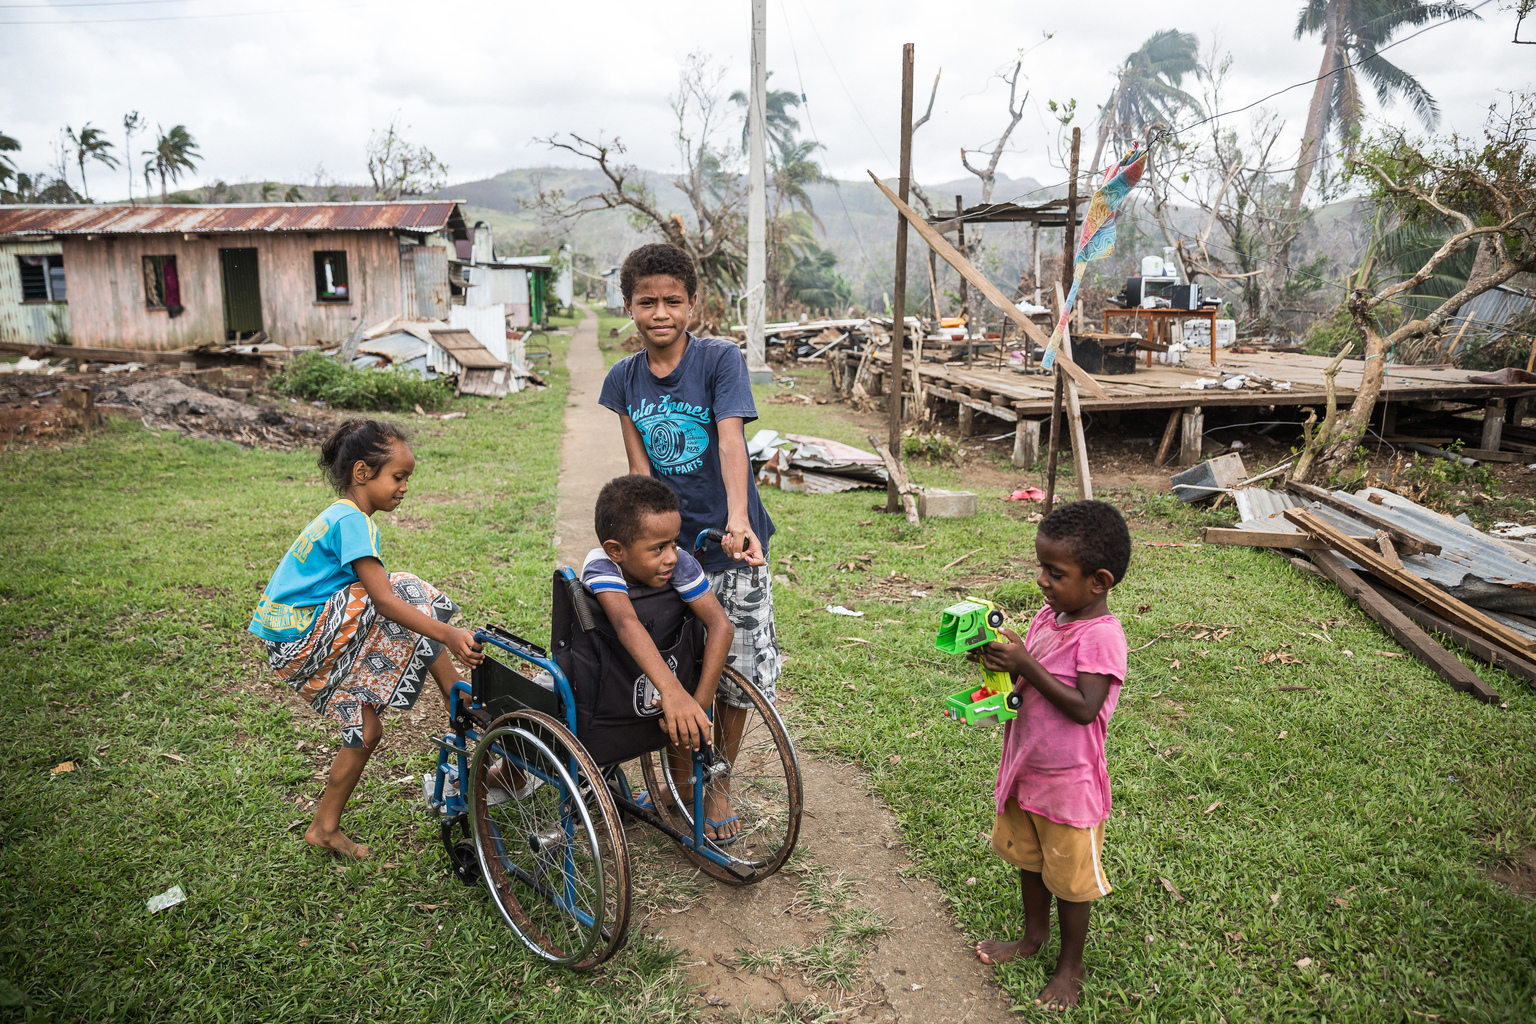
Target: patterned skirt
pixel 354 656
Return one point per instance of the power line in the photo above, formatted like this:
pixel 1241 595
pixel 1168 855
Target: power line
pixel 805 104
pixel 832 63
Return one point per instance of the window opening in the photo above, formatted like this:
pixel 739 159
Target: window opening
pixel 42 277
pixel 162 284
pixel 331 277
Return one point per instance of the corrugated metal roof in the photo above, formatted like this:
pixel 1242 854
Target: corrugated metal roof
pixel 403 215
pixel 1493 308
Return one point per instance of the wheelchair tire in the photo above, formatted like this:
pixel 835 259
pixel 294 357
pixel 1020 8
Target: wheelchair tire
pixel 763 784
pixel 555 860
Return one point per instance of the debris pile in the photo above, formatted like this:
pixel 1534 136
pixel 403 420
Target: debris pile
pixel 166 403
pixel 1418 573
pixel 798 462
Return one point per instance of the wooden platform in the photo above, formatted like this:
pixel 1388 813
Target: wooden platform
pixel 1009 395
pixel 1025 398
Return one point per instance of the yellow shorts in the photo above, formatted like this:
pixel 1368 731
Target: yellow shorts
pixel 1066 858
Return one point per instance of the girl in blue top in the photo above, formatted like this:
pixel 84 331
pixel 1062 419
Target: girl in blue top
pixel 347 635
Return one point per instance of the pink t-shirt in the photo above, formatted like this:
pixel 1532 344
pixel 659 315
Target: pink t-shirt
pixel 1052 765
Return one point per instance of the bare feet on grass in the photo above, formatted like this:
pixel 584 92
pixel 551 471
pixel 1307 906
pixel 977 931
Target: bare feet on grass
pixel 994 951
pixel 337 842
pixel 1064 988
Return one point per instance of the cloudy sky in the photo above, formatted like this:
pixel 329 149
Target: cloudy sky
pixel 273 88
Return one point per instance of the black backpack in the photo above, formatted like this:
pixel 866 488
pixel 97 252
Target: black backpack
pixel 615 719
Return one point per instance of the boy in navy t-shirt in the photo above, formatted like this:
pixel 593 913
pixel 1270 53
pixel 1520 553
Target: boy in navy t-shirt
pixel 683 404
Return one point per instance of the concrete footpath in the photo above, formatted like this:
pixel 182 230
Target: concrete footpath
pixel 592 451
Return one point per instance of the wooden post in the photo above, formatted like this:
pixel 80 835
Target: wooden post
pixel 965 291
pixel 1075 424
pixel 1026 443
pixel 967 417
pixel 1388 417
pixel 1166 448
pixel 1053 446
pixel 1194 430
pixel 1516 417
pixel 1069 240
pixel 1493 424
pixel 899 303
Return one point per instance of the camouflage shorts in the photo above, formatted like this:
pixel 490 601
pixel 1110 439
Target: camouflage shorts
pixel 746 594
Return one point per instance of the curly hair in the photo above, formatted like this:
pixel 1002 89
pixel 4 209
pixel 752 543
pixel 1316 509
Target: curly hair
pixel 655 259
pixel 1096 534
pixel 624 501
pixel 370 442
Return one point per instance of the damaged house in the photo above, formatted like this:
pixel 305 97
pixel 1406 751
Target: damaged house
pixel 172 277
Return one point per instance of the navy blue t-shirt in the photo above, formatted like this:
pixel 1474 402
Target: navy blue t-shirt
pixel 677 417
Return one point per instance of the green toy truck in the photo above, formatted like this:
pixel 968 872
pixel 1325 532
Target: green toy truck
pixel 964 627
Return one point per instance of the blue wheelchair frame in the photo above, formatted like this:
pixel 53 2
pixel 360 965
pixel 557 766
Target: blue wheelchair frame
pixel 453 758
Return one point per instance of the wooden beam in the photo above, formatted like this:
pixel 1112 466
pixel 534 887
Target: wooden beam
pixel 1406 542
pixel 947 252
pixel 1026 443
pixel 1495 656
pixel 1169 433
pixel 1075 415
pixel 1403 629
pixel 898 479
pixel 1493 424
pixel 1053 446
pixel 1454 610
pixel 1192 436
pixel 899 303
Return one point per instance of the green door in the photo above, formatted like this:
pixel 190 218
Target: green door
pixel 242 293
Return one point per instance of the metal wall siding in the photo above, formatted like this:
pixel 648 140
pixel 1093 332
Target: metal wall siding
pixel 29 323
pixel 106 287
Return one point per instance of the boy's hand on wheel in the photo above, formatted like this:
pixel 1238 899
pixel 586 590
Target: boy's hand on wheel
pixel 463 646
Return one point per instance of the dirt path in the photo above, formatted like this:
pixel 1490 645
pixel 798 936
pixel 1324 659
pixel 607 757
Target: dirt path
pixel 848 868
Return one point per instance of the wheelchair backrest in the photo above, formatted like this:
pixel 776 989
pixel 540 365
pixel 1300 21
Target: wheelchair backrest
pixel 615 716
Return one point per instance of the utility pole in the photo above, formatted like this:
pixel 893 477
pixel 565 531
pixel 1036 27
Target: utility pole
pixel 965 295
pixel 899 304
pixel 757 199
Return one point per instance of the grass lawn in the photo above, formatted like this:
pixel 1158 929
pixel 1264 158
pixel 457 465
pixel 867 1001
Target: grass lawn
pixel 1296 854
pixel 134 563
pixel 1349 825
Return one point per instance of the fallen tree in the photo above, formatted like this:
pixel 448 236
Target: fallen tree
pixel 1480 195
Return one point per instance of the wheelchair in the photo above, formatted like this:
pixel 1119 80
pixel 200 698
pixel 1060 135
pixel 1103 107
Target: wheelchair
pixel 546 836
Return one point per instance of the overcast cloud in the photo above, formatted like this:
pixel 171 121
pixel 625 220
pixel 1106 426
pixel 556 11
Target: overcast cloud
pixel 273 94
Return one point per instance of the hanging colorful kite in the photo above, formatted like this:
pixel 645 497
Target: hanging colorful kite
pixel 1098 238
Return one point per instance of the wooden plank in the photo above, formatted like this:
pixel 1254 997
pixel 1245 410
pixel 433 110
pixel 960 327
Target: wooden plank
pixel 1075 420
pixel 1402 628
pixel 1405 541
pixel 1483 455
pixel 1407 583
pixel 1053 447
pixel 947 252
pixel 1288 539
pixel 1495 656
pixel 1002 412
pixel 898 479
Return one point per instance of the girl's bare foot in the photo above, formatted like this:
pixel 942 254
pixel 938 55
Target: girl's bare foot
pixel 992 951
pixel 335 841
pixel 1064 988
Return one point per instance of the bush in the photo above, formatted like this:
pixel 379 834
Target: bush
pixel 316 377
pixel 929 447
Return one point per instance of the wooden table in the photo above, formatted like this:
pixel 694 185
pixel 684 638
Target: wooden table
pixel 1157 322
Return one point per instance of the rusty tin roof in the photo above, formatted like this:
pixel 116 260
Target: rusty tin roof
pixel 405 215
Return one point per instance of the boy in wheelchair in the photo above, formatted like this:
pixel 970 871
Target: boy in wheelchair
pixel 637 522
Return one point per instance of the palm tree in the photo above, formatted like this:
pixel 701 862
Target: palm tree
pixel 791 170
pixel 1147 89
pixel 132 125
pixel 7 167
pixel 90 143
pixel 293 195
pixel 1352 31
pixel 778 124
pixel 268 190
pixel 175 152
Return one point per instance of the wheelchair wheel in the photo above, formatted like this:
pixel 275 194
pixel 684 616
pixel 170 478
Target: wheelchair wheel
pixel 554 859
pixel 760 779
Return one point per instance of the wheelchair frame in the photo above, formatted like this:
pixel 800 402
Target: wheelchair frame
pixel 593 802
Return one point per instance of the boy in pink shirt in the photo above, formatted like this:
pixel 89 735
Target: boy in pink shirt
pixel 1053 784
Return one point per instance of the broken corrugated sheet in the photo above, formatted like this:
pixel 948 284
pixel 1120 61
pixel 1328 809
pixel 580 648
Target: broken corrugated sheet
pixel 799 462
pixel 1472 566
